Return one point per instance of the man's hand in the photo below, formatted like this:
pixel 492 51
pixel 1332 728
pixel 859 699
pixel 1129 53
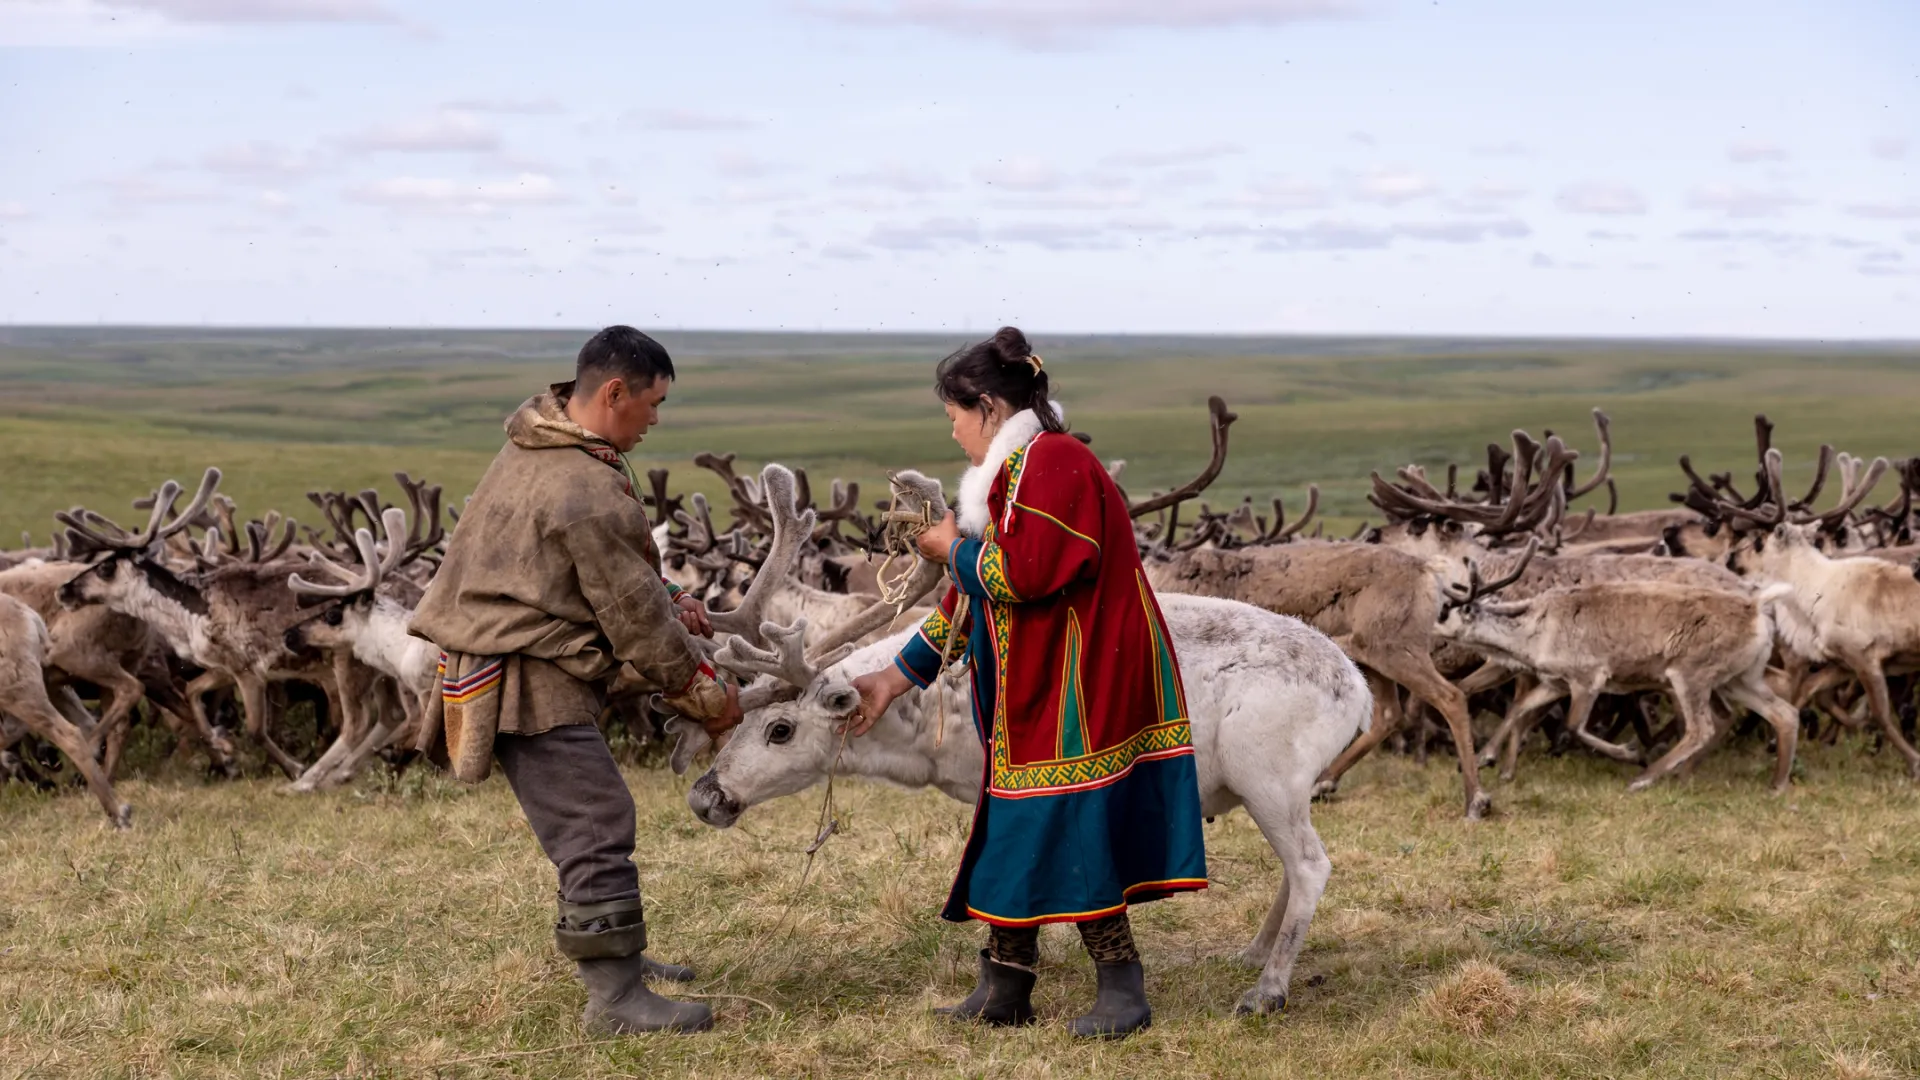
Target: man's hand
pixel 693 615
pixel 729 717
pixel 935 542
pixel 877 691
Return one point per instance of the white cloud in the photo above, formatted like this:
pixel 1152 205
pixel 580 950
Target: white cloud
pixel 904 179
pixel 1483 197
pixel 256 159
pixel 14 211
pixel 507 106
pixel 1053 23
pixel 1609 234
pixel 1748 151
pixel 1169 156
pixel 443 131
pixel 741 165
pixel 925 235
pixel 442 196
pixel 1019 174
pixel 261 11
pixel 95 23
pixel 1603 199
pixel 1501 149
pixel 1739 202
pixel 1280 194
pixel 1889 148
pixel 685 120
pixel 1886 211
pixel 1392 187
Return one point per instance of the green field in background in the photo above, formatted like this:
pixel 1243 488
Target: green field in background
pixel 101 416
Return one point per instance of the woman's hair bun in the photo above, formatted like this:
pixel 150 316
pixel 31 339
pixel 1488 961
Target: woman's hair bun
pixel 1012 345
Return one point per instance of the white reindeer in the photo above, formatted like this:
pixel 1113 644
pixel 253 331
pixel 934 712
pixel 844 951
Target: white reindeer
pixel 1272 702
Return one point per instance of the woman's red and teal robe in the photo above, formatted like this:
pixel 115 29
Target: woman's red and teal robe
pixel 1089 800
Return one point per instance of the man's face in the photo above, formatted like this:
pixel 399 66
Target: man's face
pixel 630 413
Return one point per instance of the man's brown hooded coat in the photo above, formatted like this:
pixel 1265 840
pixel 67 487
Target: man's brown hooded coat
pixel 553 569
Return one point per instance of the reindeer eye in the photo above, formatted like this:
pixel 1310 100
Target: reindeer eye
pixel 780 732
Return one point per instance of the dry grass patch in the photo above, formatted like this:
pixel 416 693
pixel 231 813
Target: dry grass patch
pixel 1474 998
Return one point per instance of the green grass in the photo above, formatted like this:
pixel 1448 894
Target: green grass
pixel 401 928
pixel 102 416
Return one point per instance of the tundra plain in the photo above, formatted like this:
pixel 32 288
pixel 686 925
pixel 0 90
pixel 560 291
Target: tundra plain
pixel 401 927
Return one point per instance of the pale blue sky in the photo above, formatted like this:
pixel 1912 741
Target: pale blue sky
pixel 1689 167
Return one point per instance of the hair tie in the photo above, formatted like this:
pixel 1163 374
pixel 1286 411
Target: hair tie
pixel 1035 363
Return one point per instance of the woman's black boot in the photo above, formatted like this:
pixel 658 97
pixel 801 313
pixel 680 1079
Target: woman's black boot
pixel 1004 997
pixel 1120 1008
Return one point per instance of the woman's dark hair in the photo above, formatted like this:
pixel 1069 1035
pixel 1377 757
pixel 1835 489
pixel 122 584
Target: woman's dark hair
pixel 1002 367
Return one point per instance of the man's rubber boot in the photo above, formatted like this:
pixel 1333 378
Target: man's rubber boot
pixel 1120 1008
pixel 608 944
pixel 619 1003
pixel 1004 997
pixel 661 971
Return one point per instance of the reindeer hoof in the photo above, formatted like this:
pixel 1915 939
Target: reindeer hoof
pixel 1641 783
pixel 123 817
pixel 1478 808
pixel 1256 1002
pixel 1325 789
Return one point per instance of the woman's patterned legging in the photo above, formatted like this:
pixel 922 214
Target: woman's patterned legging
pixel 1108 941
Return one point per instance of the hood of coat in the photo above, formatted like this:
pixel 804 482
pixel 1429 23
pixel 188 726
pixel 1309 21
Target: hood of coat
pixel 1016 434
pixel 541 422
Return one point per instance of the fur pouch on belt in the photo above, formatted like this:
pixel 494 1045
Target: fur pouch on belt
pixel 460 725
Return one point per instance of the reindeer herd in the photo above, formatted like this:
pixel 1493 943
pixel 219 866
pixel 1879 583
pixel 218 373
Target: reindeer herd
pixel 1645 637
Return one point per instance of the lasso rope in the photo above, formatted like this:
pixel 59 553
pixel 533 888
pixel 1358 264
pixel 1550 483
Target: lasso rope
pixel 902 527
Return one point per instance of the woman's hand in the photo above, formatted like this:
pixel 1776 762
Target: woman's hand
pixel 937 541
pixel 877 691
pixel 693 615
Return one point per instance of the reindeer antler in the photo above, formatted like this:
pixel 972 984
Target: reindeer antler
pixel 1221 419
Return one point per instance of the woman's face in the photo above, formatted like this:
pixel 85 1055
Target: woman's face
pixel 974 429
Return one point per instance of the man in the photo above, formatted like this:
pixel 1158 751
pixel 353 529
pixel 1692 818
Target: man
pixel 551 587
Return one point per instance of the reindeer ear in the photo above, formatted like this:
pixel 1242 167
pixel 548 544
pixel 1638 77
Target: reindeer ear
pixel 839 699
pixel 690 739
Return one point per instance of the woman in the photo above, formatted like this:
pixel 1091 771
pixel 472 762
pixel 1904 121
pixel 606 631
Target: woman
pixel 1090 801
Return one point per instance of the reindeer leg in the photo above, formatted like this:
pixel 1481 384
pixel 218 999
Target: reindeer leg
pixel 1868 670
pixel 1416 672
pixel 253 703
pixel 28 702
pixel 354 685
pixel 1579 711
pixel 1696 710
pixel 1753 692
pixel 1289 829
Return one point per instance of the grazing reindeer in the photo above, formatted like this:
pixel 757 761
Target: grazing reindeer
pixel 230 619
pixel 23 695
pixel 364 629
pixel 1624 637
pixel 1378 605
pixel 1860 614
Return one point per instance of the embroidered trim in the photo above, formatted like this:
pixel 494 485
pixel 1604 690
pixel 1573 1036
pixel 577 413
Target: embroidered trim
pixel 477 684
pixel 1168 740
pixel 935 629
pixel 1016 469
pixel 990 566
pixel 614 460
pixel 1169 885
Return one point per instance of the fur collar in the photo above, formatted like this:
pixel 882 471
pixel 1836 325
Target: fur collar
pixel 1016 434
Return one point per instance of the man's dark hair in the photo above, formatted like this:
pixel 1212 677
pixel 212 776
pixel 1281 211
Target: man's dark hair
pixel 624 353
